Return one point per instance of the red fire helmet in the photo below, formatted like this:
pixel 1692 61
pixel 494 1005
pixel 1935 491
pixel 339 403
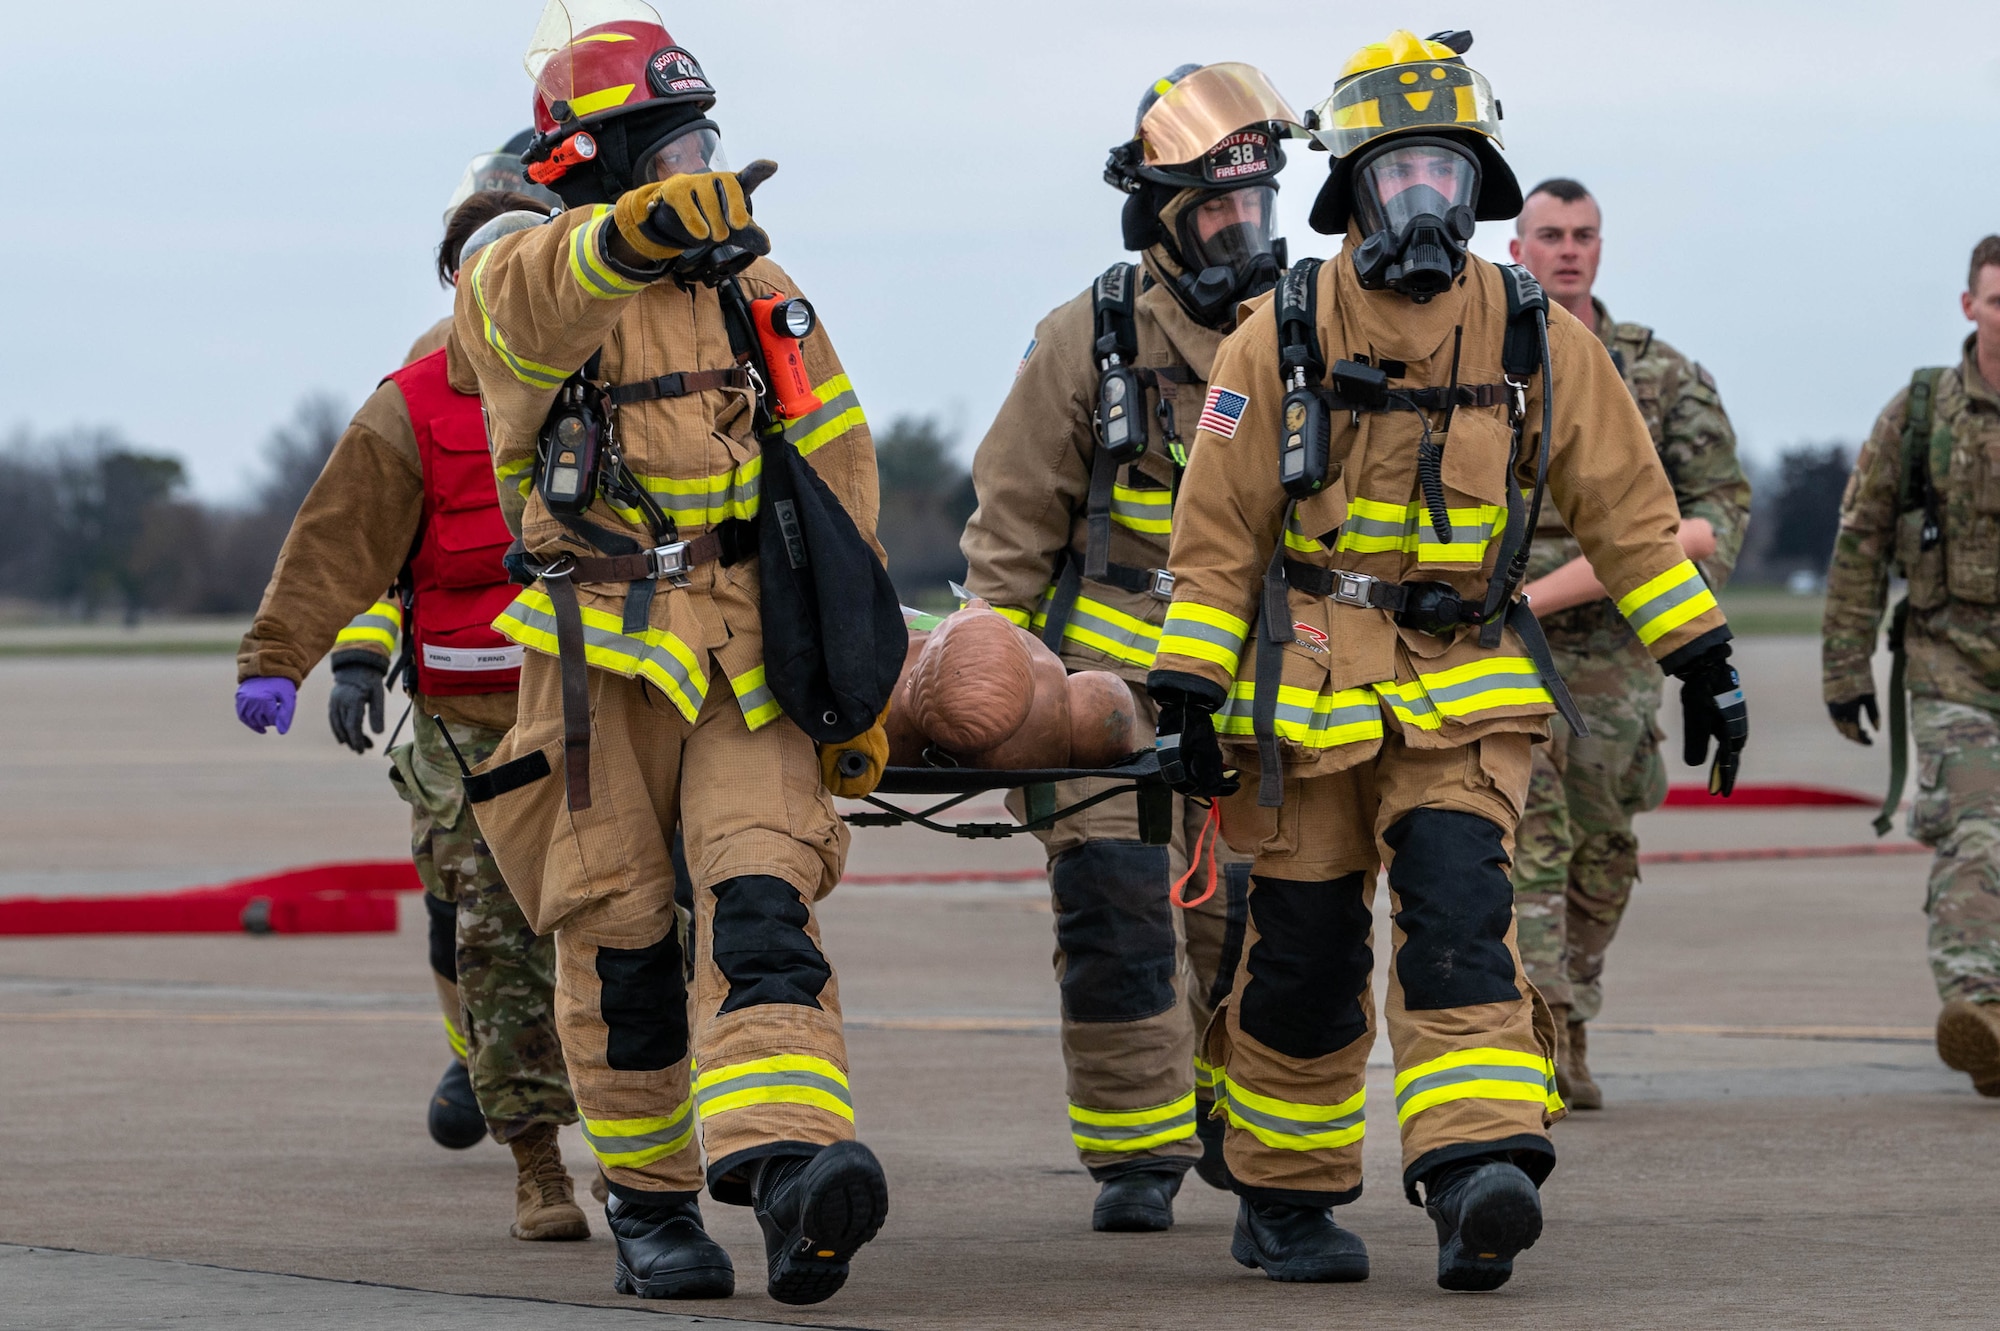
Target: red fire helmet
pixel 593 60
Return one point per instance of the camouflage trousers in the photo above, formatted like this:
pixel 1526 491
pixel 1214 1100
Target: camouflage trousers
pixel 1575 854
pixel 491 968
pixel 1957 813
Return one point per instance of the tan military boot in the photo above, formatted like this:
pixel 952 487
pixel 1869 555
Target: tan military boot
pixel 1968 1040
pixel 544 1197
pixel 1583 1092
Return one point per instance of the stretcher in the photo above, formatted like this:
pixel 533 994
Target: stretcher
pixel 1138 774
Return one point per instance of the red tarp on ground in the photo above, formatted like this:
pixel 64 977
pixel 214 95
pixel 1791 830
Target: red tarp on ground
pixel 321 899
pixel 1768 797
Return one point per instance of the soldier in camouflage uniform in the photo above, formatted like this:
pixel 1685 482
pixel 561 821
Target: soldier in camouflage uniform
pixel 369 519
pixel 1576 857
pixel 1939 525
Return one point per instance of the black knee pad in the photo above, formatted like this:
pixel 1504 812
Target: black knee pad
pixel 1450 875
pixel 1115 927
pixel 644 1005
pixel 761 945
pixel 444 937
pixel 1309 966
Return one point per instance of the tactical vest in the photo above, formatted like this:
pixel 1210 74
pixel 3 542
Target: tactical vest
pixel 456 582
pixel 1948 500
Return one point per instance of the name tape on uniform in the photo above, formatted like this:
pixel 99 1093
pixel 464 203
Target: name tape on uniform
pixel 474 658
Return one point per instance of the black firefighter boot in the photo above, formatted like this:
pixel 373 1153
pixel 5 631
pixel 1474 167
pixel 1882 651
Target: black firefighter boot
pixel 664 1253
pixel 1136 1201
pixel 1297 1243
pixel 1486 1212
pixel 1212 1167
pixel 455 1121
pixel 815 1211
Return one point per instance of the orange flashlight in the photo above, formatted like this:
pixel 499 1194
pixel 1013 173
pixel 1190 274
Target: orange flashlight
pixel 782 322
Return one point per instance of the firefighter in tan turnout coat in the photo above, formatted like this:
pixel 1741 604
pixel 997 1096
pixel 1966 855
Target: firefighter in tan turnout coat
pixel 1344 623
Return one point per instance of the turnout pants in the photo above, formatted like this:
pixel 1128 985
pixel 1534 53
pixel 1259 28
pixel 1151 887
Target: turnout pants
pixel 1138 987
pixel 1576 855
pixel 757 1064
pixel 1472 1040
pixel 495 978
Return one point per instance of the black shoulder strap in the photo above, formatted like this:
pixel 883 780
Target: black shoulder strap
pixel 1916 479
pixel 1299 355
pixel 1113 298
pixel 1521 354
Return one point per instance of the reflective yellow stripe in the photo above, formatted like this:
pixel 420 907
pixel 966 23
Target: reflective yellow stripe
pixel 377 627
pixel 657 655
pixel 785 1079
pixel 543 377
pixel 1297 539
pixel 586 260
pixel 1657 608
pixel 604 99
pixel 1484 685
pixel 1374 527
pixel 521 467
pixel 1109 630
pixel 634 1143
pixel 453 1037
pixel 1477 1074
pixel 839 412
pixel 1314 720
pixel 1287 1125
pixel 1203 633
pixel 1150 511
pixel 1125 1130
pixel 1010 614
pixel 760 705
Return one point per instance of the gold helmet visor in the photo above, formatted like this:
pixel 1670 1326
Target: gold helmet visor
pixel 1206 107
pixel 1430 95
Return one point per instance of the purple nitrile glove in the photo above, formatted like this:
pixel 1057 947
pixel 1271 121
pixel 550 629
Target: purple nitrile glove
pixel 266 702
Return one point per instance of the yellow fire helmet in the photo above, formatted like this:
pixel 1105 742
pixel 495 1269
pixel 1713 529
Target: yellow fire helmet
pixel 1410 85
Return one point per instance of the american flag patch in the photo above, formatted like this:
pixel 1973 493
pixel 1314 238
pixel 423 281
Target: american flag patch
pixel 1223 412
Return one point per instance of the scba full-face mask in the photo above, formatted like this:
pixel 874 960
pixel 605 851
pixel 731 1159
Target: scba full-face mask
pixel 1201 169
pixel 1413 200
pixel 1229 247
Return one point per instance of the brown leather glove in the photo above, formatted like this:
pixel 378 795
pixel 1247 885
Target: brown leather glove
pixel 853 769
pixel 664 220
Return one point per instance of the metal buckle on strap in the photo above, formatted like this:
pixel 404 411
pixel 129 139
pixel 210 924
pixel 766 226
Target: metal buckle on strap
pixel 1163 584
pixel 1357 589
pixel 669 562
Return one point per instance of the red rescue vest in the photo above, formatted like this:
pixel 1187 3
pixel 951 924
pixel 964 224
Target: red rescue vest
pixel 457 583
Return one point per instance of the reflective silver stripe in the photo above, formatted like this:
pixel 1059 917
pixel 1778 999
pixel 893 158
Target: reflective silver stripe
pixel 752 1080
pixel 1129 506
pixel 1294 1127
pixel 1182 626
pixel 799 432
pixel 1131 1131
pixel 1140 641
pixel 598 643
pixel 474 658
pixel 676 1130
pixel 1514 673
pixel 1665 601
pixel 1238 714
pixel 1469 1072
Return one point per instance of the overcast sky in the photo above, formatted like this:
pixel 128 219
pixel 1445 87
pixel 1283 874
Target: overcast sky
pixel 218 208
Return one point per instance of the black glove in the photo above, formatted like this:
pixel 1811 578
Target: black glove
pixel 1190 758
pixel 1712 708
pixel 357 687
pixel 1847 717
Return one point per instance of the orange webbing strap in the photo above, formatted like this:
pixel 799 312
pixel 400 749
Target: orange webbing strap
pixel 1211 833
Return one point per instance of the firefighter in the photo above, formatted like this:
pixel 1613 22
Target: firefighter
pixel 617 327
pixel 1076 483
pixel 1374 447
pixel 407 498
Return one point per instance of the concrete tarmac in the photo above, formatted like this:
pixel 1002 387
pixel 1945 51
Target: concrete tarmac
pixel 228 1131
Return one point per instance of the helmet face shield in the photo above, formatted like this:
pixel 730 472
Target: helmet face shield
pixel 553 52
pixel 497 171
pixel 1397 185
pixel 1431 95
pixel 1194 116
pixel 691 150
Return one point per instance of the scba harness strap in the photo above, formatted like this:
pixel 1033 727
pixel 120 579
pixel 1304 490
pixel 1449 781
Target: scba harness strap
pixel 1304 458
pixel 1120 426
